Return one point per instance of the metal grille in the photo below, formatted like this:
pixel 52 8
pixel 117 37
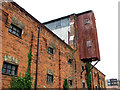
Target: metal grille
pixel 9 69
pixel 15 30
pixel 49 78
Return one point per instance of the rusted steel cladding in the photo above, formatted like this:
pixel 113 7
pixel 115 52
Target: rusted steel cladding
pixel 87 37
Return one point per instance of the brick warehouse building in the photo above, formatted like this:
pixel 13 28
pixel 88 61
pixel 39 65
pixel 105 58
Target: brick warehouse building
pixel 61 53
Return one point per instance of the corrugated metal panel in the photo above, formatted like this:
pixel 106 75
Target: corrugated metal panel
pixel 87 32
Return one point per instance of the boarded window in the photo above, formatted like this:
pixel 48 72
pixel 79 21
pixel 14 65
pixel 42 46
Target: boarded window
pixel 89 43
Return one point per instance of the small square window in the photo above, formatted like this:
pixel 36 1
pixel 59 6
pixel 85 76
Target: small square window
pixel 49 78
pixel 9 69
pixel 70 61
pixel 15 30
pixel 86 21
pixel 94 74
pixel 70 82
pixel 50 50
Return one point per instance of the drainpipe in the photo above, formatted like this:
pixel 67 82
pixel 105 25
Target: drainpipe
pixel 59 71
pixel 76 42
pixel 38 43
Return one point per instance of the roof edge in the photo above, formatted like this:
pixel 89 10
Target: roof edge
pixel 57 19
pixel 23 10
pixel 98 70
pixel 67 16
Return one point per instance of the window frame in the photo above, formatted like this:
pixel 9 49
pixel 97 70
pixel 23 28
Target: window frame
pixel 70 61
pixel 70 82
pixel 50 50
pixel 17 30
pixel 49 78
pixel 11 69
pixel 82 67
pixel 83 84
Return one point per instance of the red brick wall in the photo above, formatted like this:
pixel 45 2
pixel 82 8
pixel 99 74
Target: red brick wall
pixel 98 79
pixel 19 48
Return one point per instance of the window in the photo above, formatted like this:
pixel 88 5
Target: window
pixel 109 84
pixel 70 82
pixel 9 69
pixel 95 74
pixel 49 78
pixel 58 23
pixel 15 30
pixel 50 50
pixel 82 67
pixel 96 87
pixel 89 43
pixel 83 84
pixel 86 21
pixel 72 38
pixel 70 61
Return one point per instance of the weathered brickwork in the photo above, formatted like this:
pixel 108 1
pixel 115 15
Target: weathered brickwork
pixel 98 78
pixel 55 64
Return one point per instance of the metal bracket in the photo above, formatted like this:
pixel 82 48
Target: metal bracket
pixel 90 68
pixel 84 70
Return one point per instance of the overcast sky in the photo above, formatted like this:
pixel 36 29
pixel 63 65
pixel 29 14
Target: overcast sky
pixel 106 14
